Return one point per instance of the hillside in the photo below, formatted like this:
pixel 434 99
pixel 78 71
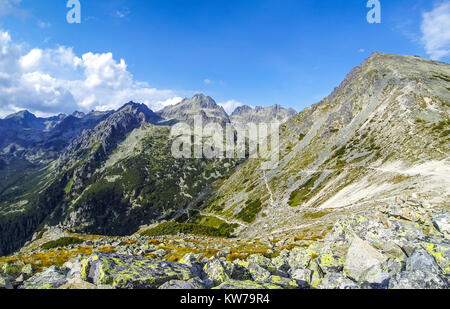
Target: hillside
pixel 381 135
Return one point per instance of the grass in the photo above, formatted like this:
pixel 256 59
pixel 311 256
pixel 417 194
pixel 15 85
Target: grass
pixel 249 213
pixel 300 195
pixel 175 228
pixel 62 242
pixel 42 260
pixel 399 178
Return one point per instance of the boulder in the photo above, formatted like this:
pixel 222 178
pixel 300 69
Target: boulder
pixel 302 276
pixel 245 285
pixel 285 283
pixel 337 281
pixel 361 256
pixel 422 261
pixel 330 262
pixel 11 270
pixel 192 284
pixel 77 284
pixel 129 272
pixel 217 271
pixel 52 278
pixel 6 282
pixel 442 223
pixel 417 279
pixel 258 273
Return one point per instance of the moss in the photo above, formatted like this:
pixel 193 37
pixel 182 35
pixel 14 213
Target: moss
pixel 62 242
pixel 69 186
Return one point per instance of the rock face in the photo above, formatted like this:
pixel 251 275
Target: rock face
pixel 199 105
pixel 246 114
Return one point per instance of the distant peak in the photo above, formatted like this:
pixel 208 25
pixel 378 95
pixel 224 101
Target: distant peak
pixel 78 114
pixel 22 115
pixel 132 104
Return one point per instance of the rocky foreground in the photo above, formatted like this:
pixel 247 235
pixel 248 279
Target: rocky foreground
pixel 405 245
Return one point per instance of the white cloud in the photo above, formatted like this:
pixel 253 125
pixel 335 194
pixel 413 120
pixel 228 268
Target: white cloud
pixel 10 7
pixel 170 102
pixel 362 50
pixel 44 25
pixel 123 12
pixel 50 81
pixel 31 59
pixel 436 31
pixel 207 81
pixel 230 106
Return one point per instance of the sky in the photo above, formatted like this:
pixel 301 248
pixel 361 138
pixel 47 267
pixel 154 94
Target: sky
pixel 253 52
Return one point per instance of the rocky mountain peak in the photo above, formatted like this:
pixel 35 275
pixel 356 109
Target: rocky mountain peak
pixel 245 114
pixel 198 105
pixel 21 115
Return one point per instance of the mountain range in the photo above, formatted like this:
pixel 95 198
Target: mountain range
pixel 359 199
pixel 106 166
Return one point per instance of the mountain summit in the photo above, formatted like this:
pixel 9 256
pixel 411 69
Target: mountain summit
pixel 198 105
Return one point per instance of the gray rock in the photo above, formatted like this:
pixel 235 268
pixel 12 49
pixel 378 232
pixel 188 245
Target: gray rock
pixel 337 281
pixel 392 266
pixel 302 276
pixel 442 222
pixel 417 280
pixel 421 260
pixel 245 285
pixel 262 261
pixel 258 273
pixel 52 278
pixel 217 271
pixel 285 283
pixel 6 282
pixel 240 271
pixel 129 272
pixel 27 270
pixel 300 257
pixel 376 278
pixel 181 285
pixel 361 256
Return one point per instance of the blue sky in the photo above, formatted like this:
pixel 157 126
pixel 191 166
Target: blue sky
pixel 255 52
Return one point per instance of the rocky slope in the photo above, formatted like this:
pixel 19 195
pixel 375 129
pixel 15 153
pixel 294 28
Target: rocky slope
pixel 382 133
pixel 246 114
pixel 377 249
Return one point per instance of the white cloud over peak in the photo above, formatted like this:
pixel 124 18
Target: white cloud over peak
pixel 436 31
pixel 50 81
pixel 230 106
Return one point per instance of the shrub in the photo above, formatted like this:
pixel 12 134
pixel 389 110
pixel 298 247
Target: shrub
pixel 249 213
pixel 62 242
pixel 174 228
